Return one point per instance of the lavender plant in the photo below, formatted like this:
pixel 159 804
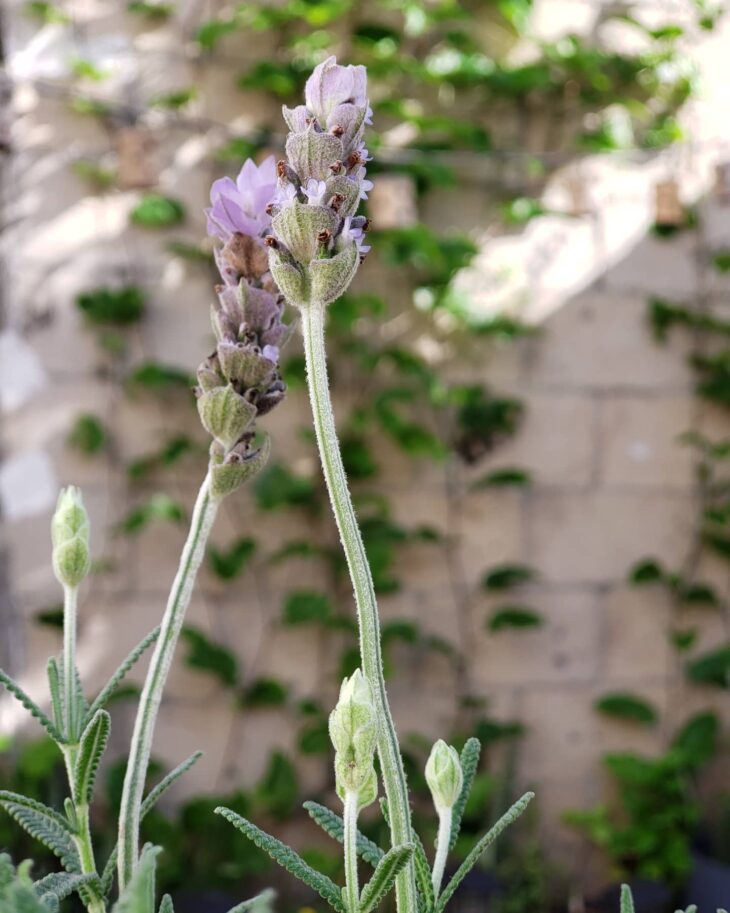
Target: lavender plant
pixel 316 243
pixel 287 232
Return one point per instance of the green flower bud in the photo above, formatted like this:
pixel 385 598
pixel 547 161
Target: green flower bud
pixel 228 471
pixel 330 278
pixel 225 414
pixel 444 775
pixel 367 790
pixel 311 154
pixel 70 537
pixel 298 226
pixel 288 277
pixel 354 731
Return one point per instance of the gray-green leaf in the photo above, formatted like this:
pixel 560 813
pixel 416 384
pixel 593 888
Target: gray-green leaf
pixel 288 859
pixel 627 899
pixel 422 869
pixel 473 857
pixel 469 762
pixel 45 824
pixel 261 903
pixel 60 885
pixel 139 894
pixel 93 743
pixel 332 824
pixel 389 867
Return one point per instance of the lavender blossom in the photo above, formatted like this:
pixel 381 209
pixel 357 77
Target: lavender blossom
pixel 240 205
pixel 317 241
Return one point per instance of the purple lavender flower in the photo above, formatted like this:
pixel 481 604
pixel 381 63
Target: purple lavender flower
pixel 354 233
pixel 240 205
pixel 331 85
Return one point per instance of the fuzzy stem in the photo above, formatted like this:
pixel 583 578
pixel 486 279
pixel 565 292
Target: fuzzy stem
pixel 394 779
pixel 70 702
pixel 82 839
pixel 352 890
pixel 442 848
pixel 149 703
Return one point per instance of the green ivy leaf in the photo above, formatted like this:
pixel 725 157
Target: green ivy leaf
pixel 227 564
pixel 711 668
pixel 305 606
pixel 265 692
pixel 505 576
pixel 278 487
pixel 207 656
pixel 646 571
pixel 698 738
pixel 121 307
pixel 509 476
pixel 514 616
pixel 159 507
pixel 626 706
pixel 157 211
pixel 88 435
pixel 278 791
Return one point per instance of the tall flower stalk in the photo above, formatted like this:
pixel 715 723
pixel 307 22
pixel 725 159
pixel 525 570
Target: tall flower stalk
pixel 316 247
pixel 238 383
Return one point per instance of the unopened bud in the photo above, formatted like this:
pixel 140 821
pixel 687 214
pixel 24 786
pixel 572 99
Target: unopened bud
pixel 444 775
pixel 353 729
pixel 229 471
pixel 70 537
pixel 225 414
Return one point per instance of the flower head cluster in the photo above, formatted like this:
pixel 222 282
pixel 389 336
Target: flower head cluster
pixel 317 240
pixel 353 730
pixel 240 380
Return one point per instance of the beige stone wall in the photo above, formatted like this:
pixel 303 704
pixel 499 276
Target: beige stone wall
pixel 604 407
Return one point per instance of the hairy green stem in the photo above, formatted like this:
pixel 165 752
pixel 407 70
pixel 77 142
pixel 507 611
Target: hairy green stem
pixel 443 840
pixel 149 703
pixel 349 815
pixel 394 779
pixel 93 902
pixel 70 702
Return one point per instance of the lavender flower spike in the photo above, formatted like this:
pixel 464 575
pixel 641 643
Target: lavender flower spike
pixel 240 205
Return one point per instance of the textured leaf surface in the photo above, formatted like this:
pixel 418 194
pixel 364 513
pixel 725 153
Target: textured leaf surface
pixel 473 857
pixel 61 884
pixel 627 900
pixel 114 682
pixel 424 882
pixel 30 705
pixel 92 747
pixel 139 894
pixel 288 859
pixel 45 825
pixel 470 754
pixel 394 861
pixel 332 824
pixel 166 904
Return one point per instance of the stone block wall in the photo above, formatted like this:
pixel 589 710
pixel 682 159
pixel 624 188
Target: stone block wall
pixel 604 407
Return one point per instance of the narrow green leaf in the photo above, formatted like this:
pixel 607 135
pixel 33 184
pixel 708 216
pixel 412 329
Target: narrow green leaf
pixel 507 575
pixel 470 754
pixel 627 707
pixel 332 824
pixel 627 900
pixel 45 825
pixel 139 894
pixel 288 859
pixel 17 692
pixel 54 686
pixel 473 857
pixel 166 782
pixel 111 686
pixel 422 870
pixel 389 867
pixel 261 903
pixel 92 746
